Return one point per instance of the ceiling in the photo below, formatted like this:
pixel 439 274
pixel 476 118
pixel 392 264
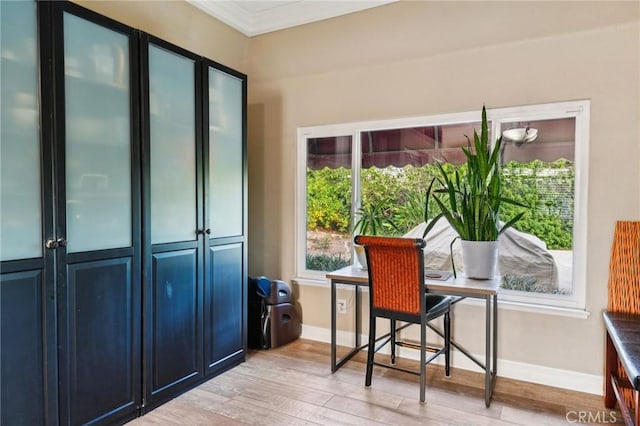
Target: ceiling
pixel 254 17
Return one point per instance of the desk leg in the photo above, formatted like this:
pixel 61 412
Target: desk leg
pixel 490 365
pixel 487 355
pixel 358 317
pixel 333 326
pixel 335 362
pixel 491 347
pixel 495 340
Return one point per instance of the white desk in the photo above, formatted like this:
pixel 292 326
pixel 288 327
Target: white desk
pixel 462 287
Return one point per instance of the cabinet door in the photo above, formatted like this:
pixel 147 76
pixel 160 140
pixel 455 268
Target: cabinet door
pixel 225 189
pixel 225 320
pixel 98 232
pixel 173 222
pixel 28 385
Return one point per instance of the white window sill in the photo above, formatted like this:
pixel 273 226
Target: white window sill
pixel 507 305
pixel 312 282
pixel 503 305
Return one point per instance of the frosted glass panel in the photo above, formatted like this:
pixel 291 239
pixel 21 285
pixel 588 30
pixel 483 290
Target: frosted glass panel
pixel 173 146
pixel 20 208
pixel 98 141
pixel 225 154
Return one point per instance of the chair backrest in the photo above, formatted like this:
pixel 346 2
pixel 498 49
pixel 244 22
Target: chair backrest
pixel 624 269
pixel 396 273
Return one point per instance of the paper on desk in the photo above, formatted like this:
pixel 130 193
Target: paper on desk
pixel 437 275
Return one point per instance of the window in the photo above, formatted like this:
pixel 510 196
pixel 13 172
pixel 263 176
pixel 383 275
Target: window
pixel 549 173
pixel 328 202
pixel 390 163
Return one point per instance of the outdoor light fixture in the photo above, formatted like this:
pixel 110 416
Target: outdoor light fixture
pixel 520 135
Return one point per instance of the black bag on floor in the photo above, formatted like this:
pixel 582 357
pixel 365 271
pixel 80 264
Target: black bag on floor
pixel 273 320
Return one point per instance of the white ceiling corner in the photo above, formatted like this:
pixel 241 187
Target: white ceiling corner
pixel 254 17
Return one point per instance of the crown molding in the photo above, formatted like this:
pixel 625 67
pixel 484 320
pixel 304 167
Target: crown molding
pixel 283 14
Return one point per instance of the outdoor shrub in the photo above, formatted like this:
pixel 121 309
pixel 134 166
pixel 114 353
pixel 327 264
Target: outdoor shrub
pixel 326 262
pixel 328 199
pixel 529 284
pixel 547 187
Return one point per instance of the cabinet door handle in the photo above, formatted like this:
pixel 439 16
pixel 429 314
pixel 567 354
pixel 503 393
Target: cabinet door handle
pixel 199 231
pixel 61 242
pixel 51 244
pixel 208 231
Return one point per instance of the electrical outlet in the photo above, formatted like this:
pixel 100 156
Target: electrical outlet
pixel 341 305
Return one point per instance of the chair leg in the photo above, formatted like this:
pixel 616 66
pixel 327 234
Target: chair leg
pixel 423 359
pixel 447 345
pixel 371 350
pixel 393 341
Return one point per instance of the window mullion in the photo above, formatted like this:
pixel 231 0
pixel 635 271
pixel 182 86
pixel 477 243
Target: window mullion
pixel 356 165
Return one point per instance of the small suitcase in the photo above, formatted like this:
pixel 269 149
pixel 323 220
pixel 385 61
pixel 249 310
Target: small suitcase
pixel 272 320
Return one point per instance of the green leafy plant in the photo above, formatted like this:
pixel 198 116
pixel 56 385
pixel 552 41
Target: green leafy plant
pixel 471 200
pixel 408 212
pixel 548 188
pixel 329 199
pixel 374 219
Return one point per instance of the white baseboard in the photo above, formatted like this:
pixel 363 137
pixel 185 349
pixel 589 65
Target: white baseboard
pixel 565 379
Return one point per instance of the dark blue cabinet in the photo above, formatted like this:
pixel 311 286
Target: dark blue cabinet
pixel 123 234
pixel 194 180
pixel 71 249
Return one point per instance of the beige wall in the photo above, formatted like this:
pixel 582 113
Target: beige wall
pixel 416 58
pixel 180 23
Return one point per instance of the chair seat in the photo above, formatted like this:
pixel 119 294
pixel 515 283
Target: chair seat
pixel 437 305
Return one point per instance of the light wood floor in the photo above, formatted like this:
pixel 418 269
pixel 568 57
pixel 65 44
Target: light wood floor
pixel 293 385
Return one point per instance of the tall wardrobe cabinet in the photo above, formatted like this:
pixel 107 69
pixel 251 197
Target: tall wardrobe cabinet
pixel 123 217
pixel 195 224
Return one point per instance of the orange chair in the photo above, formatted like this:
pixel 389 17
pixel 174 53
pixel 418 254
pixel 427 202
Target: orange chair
pixel 397 292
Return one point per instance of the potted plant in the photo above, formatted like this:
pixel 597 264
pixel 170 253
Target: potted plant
pixel 373 219
pixel 470 201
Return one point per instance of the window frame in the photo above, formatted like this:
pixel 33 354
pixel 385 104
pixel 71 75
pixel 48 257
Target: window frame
pixel 579 110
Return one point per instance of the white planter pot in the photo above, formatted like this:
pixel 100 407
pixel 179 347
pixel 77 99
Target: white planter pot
pixel 480 259
pixel 362 256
